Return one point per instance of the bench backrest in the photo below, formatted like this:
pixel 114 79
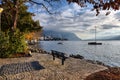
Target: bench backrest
pixel 57 53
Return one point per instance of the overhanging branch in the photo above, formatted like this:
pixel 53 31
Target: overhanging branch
pixel 42 5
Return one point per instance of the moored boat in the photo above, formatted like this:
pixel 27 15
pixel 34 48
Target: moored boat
pixel 94 43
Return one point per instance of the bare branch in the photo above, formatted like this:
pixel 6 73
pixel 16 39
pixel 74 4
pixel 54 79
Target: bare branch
pixel 48 1
pixel 42 5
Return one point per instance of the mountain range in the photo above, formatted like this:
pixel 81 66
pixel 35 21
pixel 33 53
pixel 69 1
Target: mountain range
pixel 115 37
pixel 72 37
pixel 61 34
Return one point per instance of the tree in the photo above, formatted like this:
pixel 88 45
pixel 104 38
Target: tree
pixel 15 15
pixel 16 22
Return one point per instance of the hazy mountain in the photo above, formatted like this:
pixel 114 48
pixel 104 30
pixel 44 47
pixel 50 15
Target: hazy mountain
pixel 114 37
pixel 117 37
pixel 61 34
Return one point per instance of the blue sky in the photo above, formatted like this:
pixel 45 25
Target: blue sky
pixel 80 21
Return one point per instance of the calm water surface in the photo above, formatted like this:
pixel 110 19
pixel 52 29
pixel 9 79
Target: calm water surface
pixel 108 53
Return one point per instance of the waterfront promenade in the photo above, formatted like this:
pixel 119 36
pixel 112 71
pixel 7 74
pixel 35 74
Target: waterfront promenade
pixel 42 67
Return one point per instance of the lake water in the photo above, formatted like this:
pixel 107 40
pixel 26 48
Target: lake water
pixel 108 52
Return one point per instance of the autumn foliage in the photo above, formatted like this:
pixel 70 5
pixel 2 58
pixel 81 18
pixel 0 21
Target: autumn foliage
pixel 99 4
pixel 29 36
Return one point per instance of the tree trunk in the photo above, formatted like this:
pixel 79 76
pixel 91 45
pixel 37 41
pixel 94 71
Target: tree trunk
pixel 15 15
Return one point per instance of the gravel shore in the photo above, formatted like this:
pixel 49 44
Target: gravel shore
pixel 73 69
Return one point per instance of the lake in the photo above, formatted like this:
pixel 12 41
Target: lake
pixel 108 52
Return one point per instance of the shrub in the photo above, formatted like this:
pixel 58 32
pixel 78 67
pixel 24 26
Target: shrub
pixel 4 44
pixel 17 42
pixel 12 43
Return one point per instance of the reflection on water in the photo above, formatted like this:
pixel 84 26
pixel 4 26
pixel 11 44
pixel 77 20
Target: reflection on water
pixel 108 52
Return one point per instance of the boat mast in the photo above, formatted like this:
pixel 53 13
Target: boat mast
pixel 95 33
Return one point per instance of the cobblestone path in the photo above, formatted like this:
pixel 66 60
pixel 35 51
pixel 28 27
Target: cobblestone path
pixel 16 68
pixel 29 68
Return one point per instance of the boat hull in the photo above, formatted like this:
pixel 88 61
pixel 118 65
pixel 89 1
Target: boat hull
pixel 60 43
pixel 94 43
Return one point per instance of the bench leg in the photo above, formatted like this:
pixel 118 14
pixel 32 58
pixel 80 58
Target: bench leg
pixel 62 62
pixel 63 59
pixel 53 54
pixel 53 57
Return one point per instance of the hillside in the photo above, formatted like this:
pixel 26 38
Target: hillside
pixel 61 34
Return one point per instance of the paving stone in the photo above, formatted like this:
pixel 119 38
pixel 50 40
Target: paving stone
pixel 16 68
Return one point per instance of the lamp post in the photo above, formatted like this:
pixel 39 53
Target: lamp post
pixel 1 9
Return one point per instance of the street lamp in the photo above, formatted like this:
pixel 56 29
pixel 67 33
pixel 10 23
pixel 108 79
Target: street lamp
pixel 1 9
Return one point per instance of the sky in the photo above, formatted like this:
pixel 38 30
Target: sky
pixel 80 21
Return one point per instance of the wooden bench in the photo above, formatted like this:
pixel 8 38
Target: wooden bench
pixel 59 55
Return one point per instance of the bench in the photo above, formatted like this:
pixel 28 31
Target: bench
pixel 59 55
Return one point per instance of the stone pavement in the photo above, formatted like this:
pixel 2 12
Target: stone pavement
pixel 16 68
pixel 73 69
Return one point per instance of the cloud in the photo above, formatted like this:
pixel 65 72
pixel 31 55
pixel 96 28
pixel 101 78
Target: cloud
pixel 82 22
pixel 117 15
pixel 106 26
